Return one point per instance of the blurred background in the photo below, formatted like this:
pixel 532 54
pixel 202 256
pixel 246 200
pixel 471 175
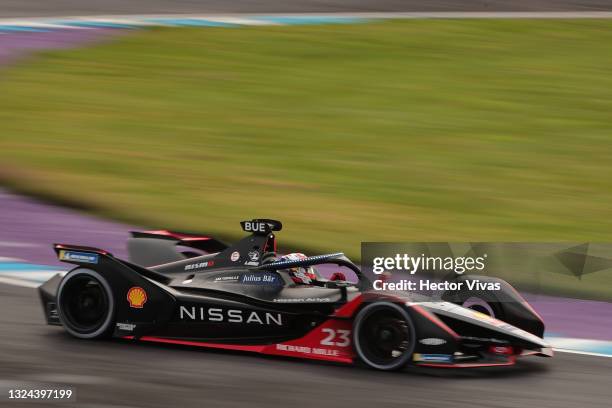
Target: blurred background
pixel 348 128
pixel 450 130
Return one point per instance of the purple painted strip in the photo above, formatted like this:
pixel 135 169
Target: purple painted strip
pixel 30 227
pixel 18 44
pixel 586 319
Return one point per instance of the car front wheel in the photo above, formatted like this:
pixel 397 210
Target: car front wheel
pixel 384 336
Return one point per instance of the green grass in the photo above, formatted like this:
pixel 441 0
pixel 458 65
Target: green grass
pixel 398 131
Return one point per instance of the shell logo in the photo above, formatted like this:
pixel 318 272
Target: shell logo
pixel 137 297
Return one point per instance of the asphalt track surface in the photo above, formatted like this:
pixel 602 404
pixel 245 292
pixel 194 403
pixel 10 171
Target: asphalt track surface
pixel 116 373
pixel 32 8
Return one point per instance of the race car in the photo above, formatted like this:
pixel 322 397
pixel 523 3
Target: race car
pixel 195 290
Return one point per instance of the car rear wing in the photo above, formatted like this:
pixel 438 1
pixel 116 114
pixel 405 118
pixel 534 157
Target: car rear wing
pixel 79 255
pixel 261 226
pixel 202 242
pixel 97 259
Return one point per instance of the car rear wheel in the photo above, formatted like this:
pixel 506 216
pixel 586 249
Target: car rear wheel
pixel 384 336
pixel 85 304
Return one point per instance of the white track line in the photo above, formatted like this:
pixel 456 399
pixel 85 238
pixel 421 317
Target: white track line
pixel 477 14
pixel 33 275
pixel 5 259
pixel 37 24
pixel 19 282
pixel 15 244
pixel 29 278
pixel 250 18
pixel 584 353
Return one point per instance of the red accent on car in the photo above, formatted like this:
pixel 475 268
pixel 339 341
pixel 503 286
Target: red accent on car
pixel 432 318
pixel 502 350
pixel 178 235
pixel 349 309
pixel 240 347
pixel 266 247
pixel 331 341
pixel 338 276
pixel 70 247
pixel 511 361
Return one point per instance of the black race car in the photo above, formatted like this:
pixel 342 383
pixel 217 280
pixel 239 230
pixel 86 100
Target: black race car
pixel 195 290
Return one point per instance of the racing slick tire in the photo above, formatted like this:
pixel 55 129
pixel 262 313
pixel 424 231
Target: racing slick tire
pixel 85 304
pixel 384 336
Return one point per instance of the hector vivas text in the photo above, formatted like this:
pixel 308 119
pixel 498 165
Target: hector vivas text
pixel 423 263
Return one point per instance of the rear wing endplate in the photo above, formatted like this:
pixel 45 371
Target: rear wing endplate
pixel 77 254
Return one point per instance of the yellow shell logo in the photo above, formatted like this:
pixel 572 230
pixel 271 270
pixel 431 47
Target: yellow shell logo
pixel 137 297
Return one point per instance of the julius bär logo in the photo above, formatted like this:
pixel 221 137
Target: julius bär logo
pixel 137 297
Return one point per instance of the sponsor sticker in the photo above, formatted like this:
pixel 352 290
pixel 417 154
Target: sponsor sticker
pixel 218 314
pixel 199 265
pixel 432 341
pixel 319 351
pixel 126 326
pixel 73 256
pixel 302 300
pixel 260 278
pixel 254 226
pixel 254 256
pixel 137 297
pixel 504 350
pixel 235 256
pixel 231 278
pixel 433 358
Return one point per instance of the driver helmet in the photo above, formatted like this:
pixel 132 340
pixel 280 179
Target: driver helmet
pixel 300 274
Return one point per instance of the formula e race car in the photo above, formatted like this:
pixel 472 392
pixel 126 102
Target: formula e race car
pixel 195 290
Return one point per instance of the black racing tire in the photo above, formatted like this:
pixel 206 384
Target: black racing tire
pixel 85 304
pixel 381 330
